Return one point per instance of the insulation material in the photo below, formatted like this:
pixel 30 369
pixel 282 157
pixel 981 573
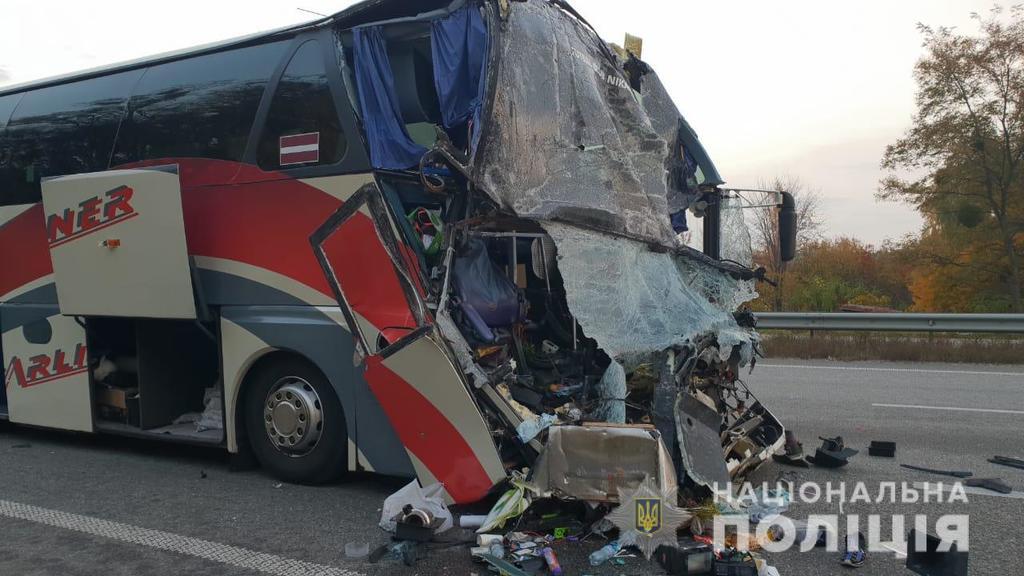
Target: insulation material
pixel 664 299
pixel 566 138
pixel 594 462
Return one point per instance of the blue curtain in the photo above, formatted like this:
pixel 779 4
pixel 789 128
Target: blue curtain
pixel 390 144
pixel 459 46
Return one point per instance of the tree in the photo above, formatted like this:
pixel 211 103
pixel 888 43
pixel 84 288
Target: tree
pixel 765 231
pixel 966 144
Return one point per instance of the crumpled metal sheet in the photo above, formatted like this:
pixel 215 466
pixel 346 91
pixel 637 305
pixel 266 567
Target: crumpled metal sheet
pixel 594 462
pixel 700 445
pixel 635 302
pixel 566 138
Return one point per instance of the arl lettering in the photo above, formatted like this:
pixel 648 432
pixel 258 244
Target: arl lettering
pixel 92 214
pixel 44 368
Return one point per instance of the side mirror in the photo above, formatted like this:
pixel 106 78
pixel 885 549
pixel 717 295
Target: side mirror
pixel 787 228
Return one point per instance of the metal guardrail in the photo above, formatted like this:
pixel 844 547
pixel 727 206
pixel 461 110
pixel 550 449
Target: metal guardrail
pixel 891 322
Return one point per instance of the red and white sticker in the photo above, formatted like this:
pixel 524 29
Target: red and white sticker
pixel 300 149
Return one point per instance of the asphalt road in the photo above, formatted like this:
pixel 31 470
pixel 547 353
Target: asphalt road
pixel 89 505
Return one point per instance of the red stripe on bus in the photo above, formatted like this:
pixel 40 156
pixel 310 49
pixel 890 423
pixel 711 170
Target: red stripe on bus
pixel 428 434
pixel 23 250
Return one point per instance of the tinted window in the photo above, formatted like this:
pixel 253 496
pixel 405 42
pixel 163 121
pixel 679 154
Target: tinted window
pixel 63 129
pixel 6 107
pixel 302 127
pixel 202 107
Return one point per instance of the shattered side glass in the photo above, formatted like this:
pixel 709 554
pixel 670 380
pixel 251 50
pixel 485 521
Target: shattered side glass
pixel 735 235
pixel 566 137
pixel 635 302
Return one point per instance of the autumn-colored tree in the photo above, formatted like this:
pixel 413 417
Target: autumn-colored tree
pixel 966 145
pixel 764 231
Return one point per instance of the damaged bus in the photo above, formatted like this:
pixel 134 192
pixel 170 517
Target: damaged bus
pixel 437 239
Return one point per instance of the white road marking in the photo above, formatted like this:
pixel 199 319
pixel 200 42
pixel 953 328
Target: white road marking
pixel 875 369
pixel 952 408
pixel 213 551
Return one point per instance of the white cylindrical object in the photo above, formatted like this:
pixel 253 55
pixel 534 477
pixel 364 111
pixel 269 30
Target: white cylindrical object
pixel 488 539
pixel 472 521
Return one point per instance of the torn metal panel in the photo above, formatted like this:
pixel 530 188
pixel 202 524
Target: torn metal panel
pixel 594 461
pixel 635 302
pixel 698 426
pixel 566 137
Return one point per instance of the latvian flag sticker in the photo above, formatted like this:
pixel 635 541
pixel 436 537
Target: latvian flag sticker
pixel 300 148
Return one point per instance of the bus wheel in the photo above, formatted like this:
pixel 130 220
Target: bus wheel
pixel 295 423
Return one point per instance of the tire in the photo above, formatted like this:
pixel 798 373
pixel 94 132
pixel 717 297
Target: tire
pixel 282 396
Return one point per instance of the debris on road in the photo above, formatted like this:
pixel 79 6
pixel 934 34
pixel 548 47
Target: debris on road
pixel 413 505
pixel 793 452
pixel 832 453
pixel 924 557
pixel 953 473
pixel 1007 461
pixel 993 484
pixel 883 449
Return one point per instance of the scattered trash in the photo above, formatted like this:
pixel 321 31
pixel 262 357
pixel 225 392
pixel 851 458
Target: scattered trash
pixel 202 474
pixel 793 452
pixel 511 504
pixel 687 558
pixel 761 504
pixel 1007 461
pixel 552 562
pixel 993 484
pixel 417 525
pixel 605 553
pixel 832 453
pixel 735 568
pixel 357 550
pixel 801 529
pixel 472 521
pixel 406 551
pixel 924 557
pixel 504 567
pixel 953 473
pixel 529 429
pixel 882 449
pixel 279 485
pixel 430 500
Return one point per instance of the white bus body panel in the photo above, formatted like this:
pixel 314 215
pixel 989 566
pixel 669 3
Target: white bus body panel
pixel 117 242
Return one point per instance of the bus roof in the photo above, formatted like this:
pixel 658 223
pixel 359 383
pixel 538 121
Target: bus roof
pixel 357 14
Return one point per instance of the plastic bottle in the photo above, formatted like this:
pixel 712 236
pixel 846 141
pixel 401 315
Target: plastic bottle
pixel 497 550
pixel 601 556
pixel 552 561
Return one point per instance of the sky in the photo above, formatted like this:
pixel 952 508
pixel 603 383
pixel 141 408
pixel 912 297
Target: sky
pixel 812 89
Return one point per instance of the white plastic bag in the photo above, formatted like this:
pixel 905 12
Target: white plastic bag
pixel 432 499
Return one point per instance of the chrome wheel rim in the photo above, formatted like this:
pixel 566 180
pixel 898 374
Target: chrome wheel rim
pixel 293 416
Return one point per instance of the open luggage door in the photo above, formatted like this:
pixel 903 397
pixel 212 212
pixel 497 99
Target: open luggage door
pixel 406 367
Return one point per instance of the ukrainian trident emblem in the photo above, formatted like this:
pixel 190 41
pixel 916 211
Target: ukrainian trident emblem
pixel 648 515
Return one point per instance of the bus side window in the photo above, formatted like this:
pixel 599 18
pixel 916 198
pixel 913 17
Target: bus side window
pixel 302 127
pixel 59 130
pixel 7 177
pixel 199 107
